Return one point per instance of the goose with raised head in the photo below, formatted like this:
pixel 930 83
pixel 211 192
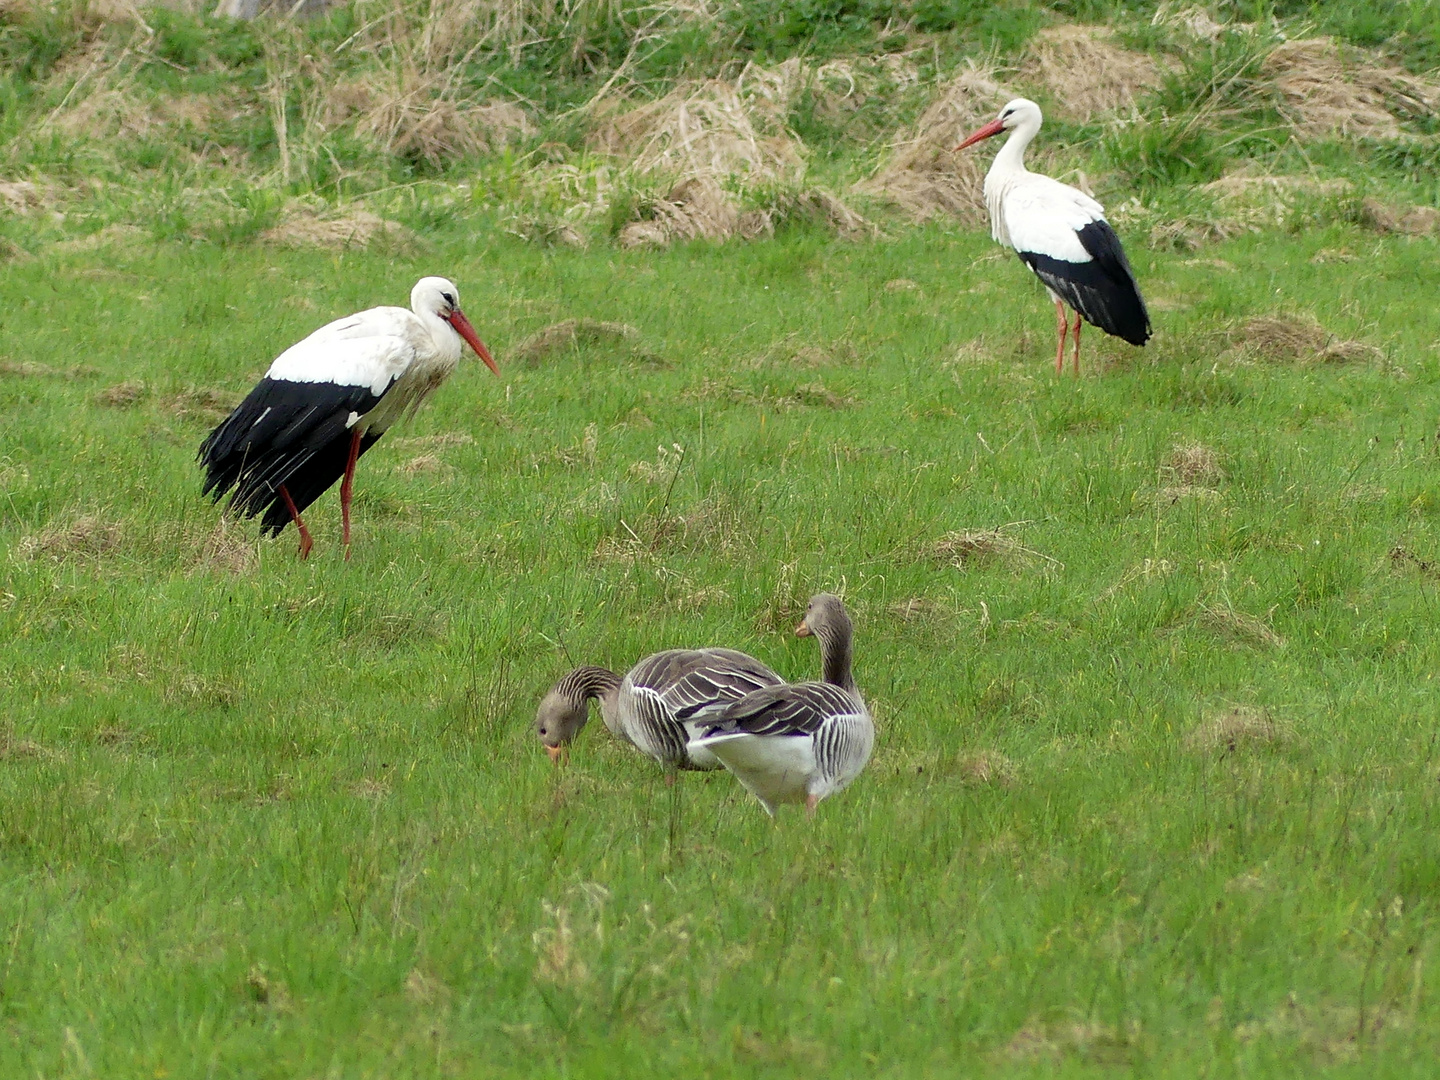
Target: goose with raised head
pixel 799 742
pixel 1062 235
pixel 658 706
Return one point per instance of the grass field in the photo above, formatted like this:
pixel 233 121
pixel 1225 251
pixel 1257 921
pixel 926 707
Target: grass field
pixel 1154 787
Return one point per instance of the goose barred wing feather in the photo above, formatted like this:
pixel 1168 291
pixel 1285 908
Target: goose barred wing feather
pixel 692 683
pixel 798 709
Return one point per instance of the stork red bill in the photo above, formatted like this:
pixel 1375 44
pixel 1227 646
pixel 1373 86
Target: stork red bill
pixel 465 330
pixel 992 128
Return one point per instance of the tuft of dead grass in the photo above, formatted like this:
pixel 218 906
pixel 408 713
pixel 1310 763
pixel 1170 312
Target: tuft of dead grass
pixel 1402 220
pixel 1289 338
pixel 1193 463
pixel 88 535
pixel 1239 626
pixel 1328 89
pixel 968 547
pixel 1038 1040
pixel 228 548
pixel 19 196
pixel 199 403
pixel 982 768
pixel 17 749
pixel 1235 728
pixel 117 235
pixel 1328 1032
pixel 920 609
pixel 569 334
pixel 123 395
pixel 704 129
pixel 30 369
pixel 355 229
pixel 923 176
pixel 415 115
pixel 1087 74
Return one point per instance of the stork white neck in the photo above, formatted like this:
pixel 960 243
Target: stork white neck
pixel 1011 158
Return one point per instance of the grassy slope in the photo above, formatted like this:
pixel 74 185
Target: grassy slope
pixel 307 782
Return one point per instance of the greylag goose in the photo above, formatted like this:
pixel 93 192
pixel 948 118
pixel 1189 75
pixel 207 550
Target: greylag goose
pixel 801 742
pixel 658 706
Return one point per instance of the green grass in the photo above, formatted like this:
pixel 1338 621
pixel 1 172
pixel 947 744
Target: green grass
pixel 289 819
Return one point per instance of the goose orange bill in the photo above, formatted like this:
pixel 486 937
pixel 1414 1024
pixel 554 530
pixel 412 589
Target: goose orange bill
pixel 803 630
pixel 465 330
pixel 992 128
pixel 557 753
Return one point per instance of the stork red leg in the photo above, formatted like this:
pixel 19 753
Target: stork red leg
pixel 346 486
pixel 1077 344
pixel 1064 321
pixel 305 542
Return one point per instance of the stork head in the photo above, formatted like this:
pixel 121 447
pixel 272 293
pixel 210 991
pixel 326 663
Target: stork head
pixel 559 719
pixel 1021 111
pixel 438 296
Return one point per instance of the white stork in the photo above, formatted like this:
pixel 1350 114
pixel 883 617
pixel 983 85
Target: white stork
pixel 1061 234
pixel 327 399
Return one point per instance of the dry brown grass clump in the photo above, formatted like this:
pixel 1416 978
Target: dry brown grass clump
pixel 1239 626
pixel 1404 220
pixel 17 749
pixel 571 333
pixel 228 548
pixel 975 546
pixel 19 196
pixel 920 609
pixel 981 768
pixel 1237 727
pixel 123 395
pixel 87 535
pixel 356 229
pixel 1095 1041
pixel 199 403
pixel 31 369
pixel 923 176
pixel 117 235
pixel 1283 338
pixel 1087 73
pixel 695 208
pixel 416 116
pixel 704 129
pixel 1330 89
pixel 1193 463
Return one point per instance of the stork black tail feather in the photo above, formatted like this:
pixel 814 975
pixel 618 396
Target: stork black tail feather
pixel 1103 290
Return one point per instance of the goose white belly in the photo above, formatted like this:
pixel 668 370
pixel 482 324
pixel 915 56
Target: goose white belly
pixel 775 769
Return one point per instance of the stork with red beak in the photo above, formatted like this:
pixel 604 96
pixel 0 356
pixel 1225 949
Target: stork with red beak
pixel 1062 235
pixel 326 400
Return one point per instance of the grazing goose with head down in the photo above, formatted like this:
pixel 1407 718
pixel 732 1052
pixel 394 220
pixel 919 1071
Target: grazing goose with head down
pixel 658 706
pixel 801 742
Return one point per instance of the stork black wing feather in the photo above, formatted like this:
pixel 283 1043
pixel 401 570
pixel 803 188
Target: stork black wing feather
pixel 1103 290
pixel 284 432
